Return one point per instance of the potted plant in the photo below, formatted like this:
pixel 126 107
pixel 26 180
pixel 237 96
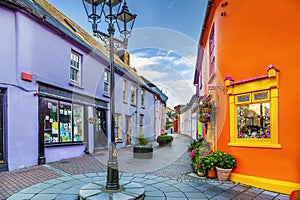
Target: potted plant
pixel 197 149
pixel 209 163
pixel 164 140
pixel 142 149
pixel 226 162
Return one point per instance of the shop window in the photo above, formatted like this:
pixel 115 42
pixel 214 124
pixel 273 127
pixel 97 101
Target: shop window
pixel 63 122
pixel 75 69
pixel 254 111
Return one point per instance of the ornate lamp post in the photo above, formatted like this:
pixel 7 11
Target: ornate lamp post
pixel 97 10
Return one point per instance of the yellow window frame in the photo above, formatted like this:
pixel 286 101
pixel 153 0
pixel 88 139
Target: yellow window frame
pixel 254 86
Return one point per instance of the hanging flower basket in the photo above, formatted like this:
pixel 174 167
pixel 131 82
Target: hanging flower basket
pixel 203 120
pixel 206 110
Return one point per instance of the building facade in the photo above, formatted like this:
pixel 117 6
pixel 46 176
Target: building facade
pixel 246 66
pixel 189 118
pixel 54 94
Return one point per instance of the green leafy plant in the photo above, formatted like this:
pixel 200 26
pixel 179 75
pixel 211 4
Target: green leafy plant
pixel 142 141
pixel 225 161
pixel 164 139
pixel 209 161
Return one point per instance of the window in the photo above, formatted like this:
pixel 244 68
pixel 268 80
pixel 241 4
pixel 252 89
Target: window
pixel 63 122
pixel 118 128
pixel 141 125
pixel 212 51
pixel 133 94
pixel 125 91
pixel 254 111
pixel 106 82
pixel 253 120
pixel 143 93
pixel 75 70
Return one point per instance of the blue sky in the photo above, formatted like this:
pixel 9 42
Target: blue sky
pixel 164 41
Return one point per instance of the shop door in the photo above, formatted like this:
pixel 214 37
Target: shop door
pixel 100 136
pixel 128 130
pixel 3 164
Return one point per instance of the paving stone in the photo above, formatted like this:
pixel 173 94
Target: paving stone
pixel 154 193
pixel 154 198
pixel 282 197
pixel 174 194
pixel 195 195
pixel 20 196
pixel 66 197
pixel 44 197
pixel 31 190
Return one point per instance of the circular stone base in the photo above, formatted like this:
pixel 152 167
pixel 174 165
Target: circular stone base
pixel 96 190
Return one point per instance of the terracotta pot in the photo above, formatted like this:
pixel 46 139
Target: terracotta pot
pixel 211 173
pixel 223 174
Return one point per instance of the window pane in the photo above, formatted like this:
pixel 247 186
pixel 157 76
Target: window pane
pixel 50 121
pixel 78 122
pixel 65 122
pixel 254 120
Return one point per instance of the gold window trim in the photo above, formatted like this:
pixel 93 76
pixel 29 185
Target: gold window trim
pixel 253 86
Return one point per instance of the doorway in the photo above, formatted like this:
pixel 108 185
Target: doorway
pixel 3 164
pixel 100 136
pixel 128 126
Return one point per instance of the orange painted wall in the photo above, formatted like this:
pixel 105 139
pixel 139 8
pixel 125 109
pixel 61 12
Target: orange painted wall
pixel 252 35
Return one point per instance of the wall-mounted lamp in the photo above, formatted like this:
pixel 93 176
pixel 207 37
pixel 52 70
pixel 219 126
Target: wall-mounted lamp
pixel 224 4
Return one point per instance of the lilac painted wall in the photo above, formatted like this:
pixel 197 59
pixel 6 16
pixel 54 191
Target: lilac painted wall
pixel 58 153
pixel 29 46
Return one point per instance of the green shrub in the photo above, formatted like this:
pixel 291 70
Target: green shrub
pixel 164 139
pixel 142 141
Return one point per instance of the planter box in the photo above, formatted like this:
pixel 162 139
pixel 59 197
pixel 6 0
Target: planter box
pixel 143 152
pixel 164 140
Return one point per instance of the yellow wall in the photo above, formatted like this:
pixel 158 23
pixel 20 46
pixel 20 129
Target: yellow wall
pixel 252 35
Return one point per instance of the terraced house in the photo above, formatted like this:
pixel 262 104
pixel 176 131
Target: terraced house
pixel 54 89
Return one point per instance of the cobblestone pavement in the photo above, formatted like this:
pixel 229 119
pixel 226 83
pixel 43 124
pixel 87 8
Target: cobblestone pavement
pixel 62 179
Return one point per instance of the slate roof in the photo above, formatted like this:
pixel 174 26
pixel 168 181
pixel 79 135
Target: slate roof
pixel 53 18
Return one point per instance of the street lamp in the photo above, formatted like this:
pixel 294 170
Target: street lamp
pixel 96 10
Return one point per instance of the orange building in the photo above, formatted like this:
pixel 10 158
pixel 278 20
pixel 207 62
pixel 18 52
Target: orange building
pixel 248 64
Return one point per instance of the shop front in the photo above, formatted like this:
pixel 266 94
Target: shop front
pixel 65 124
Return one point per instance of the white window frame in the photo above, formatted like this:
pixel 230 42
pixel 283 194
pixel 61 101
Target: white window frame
pixel 106 82
pixel 125 91
pixel 142 120
pixel 143 95
pixel 133 94
pixel 75 68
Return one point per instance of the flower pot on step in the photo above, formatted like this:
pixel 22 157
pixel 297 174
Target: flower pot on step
pixel 223 174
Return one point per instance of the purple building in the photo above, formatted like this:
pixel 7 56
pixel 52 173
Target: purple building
pixel 54 89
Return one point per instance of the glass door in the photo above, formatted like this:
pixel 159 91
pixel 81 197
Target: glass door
pixel 100 134
pixel 128 130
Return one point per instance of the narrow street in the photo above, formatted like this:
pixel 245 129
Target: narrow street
pixel 166 176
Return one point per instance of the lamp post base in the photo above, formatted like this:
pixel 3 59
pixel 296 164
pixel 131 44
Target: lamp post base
pixel 97 190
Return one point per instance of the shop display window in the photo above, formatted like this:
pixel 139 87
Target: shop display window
pixel 253 120
pixel 253 110
pixel 63 122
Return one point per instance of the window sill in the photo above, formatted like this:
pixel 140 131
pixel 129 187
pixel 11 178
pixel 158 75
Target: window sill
pixel 133 105
pixel 106 95
pixel 254 145
pixel 76 85
pixel 64 144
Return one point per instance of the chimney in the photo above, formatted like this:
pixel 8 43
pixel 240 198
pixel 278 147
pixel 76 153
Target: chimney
pixel 125 57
